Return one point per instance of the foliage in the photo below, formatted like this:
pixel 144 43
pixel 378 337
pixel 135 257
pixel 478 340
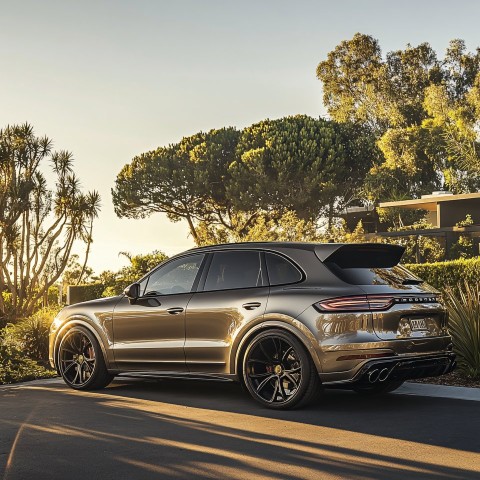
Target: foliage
pixel 38 225
pixel 339 233
pixel 16 367
pixel 30 335
pixel 75 272
pixel 115 282
pixel 225 182
pixel 464 325
pixel 423 111
pixel 465 223
pixel 448 274
pixel 83 293
pixel 361 86
pixel 398 218
pixel 421 248
pixel 287 227
pixel 462 248
pixel 186 181
pixel 299 164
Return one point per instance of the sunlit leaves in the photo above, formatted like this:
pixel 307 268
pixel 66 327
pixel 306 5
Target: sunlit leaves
pixel 38 224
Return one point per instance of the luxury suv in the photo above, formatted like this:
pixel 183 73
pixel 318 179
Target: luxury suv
pixel 284 319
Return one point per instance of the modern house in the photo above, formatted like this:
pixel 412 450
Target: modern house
pixel 444 211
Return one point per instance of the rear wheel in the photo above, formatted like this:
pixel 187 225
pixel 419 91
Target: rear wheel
pixel 81 362
pixel 278 372
pixel 378 388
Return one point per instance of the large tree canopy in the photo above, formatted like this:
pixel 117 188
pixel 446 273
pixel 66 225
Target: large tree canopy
pixel 224 182
pixel 299 164
pixel 38 225
pixel 186 180
pixel 422 109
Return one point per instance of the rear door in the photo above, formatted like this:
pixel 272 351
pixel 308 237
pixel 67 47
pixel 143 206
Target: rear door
pixel 413 309
pixel 233 292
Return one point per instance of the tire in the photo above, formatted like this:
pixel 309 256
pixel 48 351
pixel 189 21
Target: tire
pixel 378 388
pixel 80 360
pixel 278 372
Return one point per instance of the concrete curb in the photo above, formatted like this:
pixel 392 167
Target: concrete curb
pixel 439 391
pixel 32 383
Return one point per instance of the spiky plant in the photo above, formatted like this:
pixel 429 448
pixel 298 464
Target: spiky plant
pixel 463 304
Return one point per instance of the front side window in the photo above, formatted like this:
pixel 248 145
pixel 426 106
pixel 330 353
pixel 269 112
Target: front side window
pixel 237 269
pixel 176 276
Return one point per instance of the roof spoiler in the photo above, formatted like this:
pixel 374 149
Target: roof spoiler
pixel 360 255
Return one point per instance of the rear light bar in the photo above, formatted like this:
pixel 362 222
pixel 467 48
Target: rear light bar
pixel 367 303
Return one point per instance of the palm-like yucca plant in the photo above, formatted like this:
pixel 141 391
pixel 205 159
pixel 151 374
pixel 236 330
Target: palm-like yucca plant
pixel 463 304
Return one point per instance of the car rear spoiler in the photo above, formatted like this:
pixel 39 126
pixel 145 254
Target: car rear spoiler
pixel 360 255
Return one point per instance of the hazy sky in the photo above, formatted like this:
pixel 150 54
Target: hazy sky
pixel 110 79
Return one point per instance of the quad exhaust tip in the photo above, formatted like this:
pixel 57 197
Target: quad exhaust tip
pixel 378 375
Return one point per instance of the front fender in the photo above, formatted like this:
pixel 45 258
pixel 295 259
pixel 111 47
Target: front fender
pixel 100 330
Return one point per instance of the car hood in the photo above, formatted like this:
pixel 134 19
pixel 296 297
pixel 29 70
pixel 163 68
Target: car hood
pixel 99 304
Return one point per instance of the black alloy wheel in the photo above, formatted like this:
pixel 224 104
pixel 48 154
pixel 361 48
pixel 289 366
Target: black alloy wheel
pixel 278 372
pixel 80 360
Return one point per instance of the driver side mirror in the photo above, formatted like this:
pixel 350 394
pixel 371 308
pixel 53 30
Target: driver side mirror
pixel 132 292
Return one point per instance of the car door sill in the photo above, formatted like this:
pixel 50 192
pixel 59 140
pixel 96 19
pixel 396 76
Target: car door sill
pixel 222 377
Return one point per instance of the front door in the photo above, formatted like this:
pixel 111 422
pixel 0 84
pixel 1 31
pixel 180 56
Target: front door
pixel 149 333
pixel 234 294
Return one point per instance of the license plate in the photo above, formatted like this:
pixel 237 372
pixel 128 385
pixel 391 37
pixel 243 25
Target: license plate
pixel 418 324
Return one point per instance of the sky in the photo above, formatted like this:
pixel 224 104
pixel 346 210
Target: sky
pixel 108 80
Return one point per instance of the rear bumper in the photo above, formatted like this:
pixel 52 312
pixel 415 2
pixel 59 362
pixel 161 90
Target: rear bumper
pixel 401 369
pixel 395 368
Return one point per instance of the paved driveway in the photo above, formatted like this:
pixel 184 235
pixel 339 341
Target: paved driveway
pixel 179 429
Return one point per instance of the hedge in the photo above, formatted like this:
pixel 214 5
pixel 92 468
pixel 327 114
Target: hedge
pixel 82 293
pixel 450 273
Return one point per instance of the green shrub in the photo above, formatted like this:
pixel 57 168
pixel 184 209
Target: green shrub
pixel 30 335
pixel 16 367
pixel 448 274
pixel 463 248
pixel 83 293
pixel 464 325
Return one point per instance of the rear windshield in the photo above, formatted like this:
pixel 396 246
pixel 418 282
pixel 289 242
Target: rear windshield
pixel 394 276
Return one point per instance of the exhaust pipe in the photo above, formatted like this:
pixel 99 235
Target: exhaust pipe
pixel 383 375
pixel 373 376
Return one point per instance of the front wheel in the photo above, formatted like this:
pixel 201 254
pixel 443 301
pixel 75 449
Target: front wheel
pixel 278 372
pixel 80 360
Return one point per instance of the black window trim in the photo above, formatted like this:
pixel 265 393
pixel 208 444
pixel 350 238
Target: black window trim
pixel 263 273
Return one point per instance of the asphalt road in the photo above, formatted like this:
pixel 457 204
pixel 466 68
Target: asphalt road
pixel 182 429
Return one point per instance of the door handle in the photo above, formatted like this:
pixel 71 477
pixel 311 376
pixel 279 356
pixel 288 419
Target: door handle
pixel 251 305
pixel 175 310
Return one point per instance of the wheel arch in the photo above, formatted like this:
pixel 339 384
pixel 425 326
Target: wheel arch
pixel 78 322
pixel 272 325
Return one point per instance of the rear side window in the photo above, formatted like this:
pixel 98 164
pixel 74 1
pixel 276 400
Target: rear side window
pixel 237 269
pixel 396 276
pixel 281 271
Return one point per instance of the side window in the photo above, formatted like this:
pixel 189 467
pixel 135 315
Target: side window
pixel 280 270
pixel 237 269
pixel 176 276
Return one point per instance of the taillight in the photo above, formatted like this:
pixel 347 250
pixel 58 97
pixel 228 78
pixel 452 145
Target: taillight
pixel 359 303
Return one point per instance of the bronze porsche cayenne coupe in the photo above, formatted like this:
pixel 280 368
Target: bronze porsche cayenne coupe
pixel 284 319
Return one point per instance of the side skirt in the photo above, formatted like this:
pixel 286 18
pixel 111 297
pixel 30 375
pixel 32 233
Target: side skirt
pixel 179 375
